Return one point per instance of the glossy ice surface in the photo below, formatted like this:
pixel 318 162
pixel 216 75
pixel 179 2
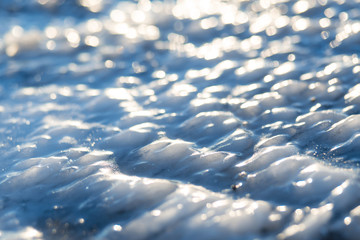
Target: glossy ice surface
pixel 183 119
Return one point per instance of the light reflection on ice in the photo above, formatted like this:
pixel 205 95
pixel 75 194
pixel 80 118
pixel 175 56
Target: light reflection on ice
pixel 118 94
pixel 154 109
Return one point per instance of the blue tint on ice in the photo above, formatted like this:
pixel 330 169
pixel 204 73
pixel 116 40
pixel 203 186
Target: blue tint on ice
pixel 179 119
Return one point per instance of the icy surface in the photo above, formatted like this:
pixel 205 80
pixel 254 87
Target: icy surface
pixel 179 119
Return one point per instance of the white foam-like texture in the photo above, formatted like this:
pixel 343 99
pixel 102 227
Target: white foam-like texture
pixel 179 119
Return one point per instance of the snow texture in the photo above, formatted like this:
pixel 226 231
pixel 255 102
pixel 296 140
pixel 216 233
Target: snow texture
pixel 185 119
